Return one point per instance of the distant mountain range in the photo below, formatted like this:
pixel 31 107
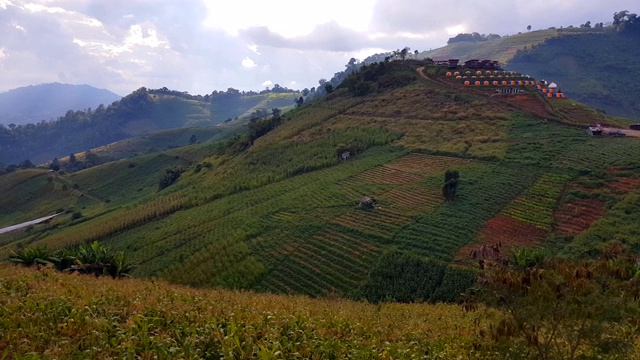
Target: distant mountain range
pixel 31 104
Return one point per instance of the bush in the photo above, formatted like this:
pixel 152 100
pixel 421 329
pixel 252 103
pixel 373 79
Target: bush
pixel 403 277
pixel 94 259
pixel 170 176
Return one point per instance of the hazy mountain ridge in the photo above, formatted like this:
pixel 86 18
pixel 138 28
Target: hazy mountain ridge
pixel 34 103
pixel 143 111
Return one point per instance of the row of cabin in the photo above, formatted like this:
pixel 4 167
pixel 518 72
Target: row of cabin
pixel 471 64
pixel 480 73
pixel 482 64
pixel 501 83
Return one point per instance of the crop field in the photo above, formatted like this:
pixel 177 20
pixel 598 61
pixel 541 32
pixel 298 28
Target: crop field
pixel 507 232
pixel 139 319
pixel 425 102
pixel 537 204
pixel 334 261
pixel 283 215
pixel 407 169
pixel 484 191
pixel 576 216
pixel 470 138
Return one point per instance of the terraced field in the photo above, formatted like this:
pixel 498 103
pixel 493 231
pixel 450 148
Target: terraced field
pixel 537 204
pixel 576 216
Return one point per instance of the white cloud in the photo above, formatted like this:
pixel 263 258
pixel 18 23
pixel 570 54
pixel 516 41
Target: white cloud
pixel 37 8
pixel 18 27
pixel 288 18
pixel 136 37
pixel 248 63
pixel 253 48
pixel 4 4
pixel 455 30
pixel 202 45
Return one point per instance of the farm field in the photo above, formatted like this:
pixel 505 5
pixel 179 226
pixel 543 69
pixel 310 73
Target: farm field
pixel 281 212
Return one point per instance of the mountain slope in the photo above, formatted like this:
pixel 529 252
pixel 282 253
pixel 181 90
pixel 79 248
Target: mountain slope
pixel 140 112
pixel 280 212
pixel 595 66
pixel 32 104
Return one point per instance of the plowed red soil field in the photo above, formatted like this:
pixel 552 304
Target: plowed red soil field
pixel 577 216
pixel 507 231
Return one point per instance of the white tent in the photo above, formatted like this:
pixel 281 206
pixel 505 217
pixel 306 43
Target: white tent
pixel 553 86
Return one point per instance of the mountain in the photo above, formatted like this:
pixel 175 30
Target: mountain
pixel 139 113
pixel 596 66
pixel 345 196
pixel 32 104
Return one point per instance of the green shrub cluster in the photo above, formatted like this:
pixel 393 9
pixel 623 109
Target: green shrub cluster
pixel 93 259
pixel 405 277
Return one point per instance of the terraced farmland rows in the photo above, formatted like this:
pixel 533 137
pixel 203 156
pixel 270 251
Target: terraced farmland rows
pixel 422 164
pixel 335 260
pixel 600 154
pixel 441 233
pixel 623 185
pixel 406 170
pixel 380 222
pixel 412 200
pixel 384 175
pixel 576 216
pixel 537 204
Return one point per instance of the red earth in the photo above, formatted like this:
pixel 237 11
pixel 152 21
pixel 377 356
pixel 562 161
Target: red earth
pixel 506 231
pixel 577 216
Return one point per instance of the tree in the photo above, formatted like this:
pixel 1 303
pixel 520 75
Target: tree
pixel 170 176
pixel 27 164
pixel 328 88
pixel 529 28
pixel 55 164
pixel 403 52
pixel 193 139
pixel 416 52
pixel 91 158
pixel 299 101
pixel 451 178
pixel 72 159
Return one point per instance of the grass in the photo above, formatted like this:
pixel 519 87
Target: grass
pixel 132 318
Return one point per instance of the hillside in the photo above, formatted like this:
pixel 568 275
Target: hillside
pixel 278 211
pixel 139 113
pixel 592 65
pixel 32 104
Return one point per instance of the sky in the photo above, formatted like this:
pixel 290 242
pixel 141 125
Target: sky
pixel 204 45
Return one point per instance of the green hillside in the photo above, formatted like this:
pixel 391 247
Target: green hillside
pixel 139 113
pixel 277 210
pixel 595 66
pixel 502 49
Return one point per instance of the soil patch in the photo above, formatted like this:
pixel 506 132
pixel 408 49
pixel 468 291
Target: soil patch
pixel 576 216
pixel 506 231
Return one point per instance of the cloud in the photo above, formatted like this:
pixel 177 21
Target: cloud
pixel 203 45
pixel 248 63
pixel 267 83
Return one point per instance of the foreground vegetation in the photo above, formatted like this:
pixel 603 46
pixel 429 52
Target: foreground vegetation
pixel 534 308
